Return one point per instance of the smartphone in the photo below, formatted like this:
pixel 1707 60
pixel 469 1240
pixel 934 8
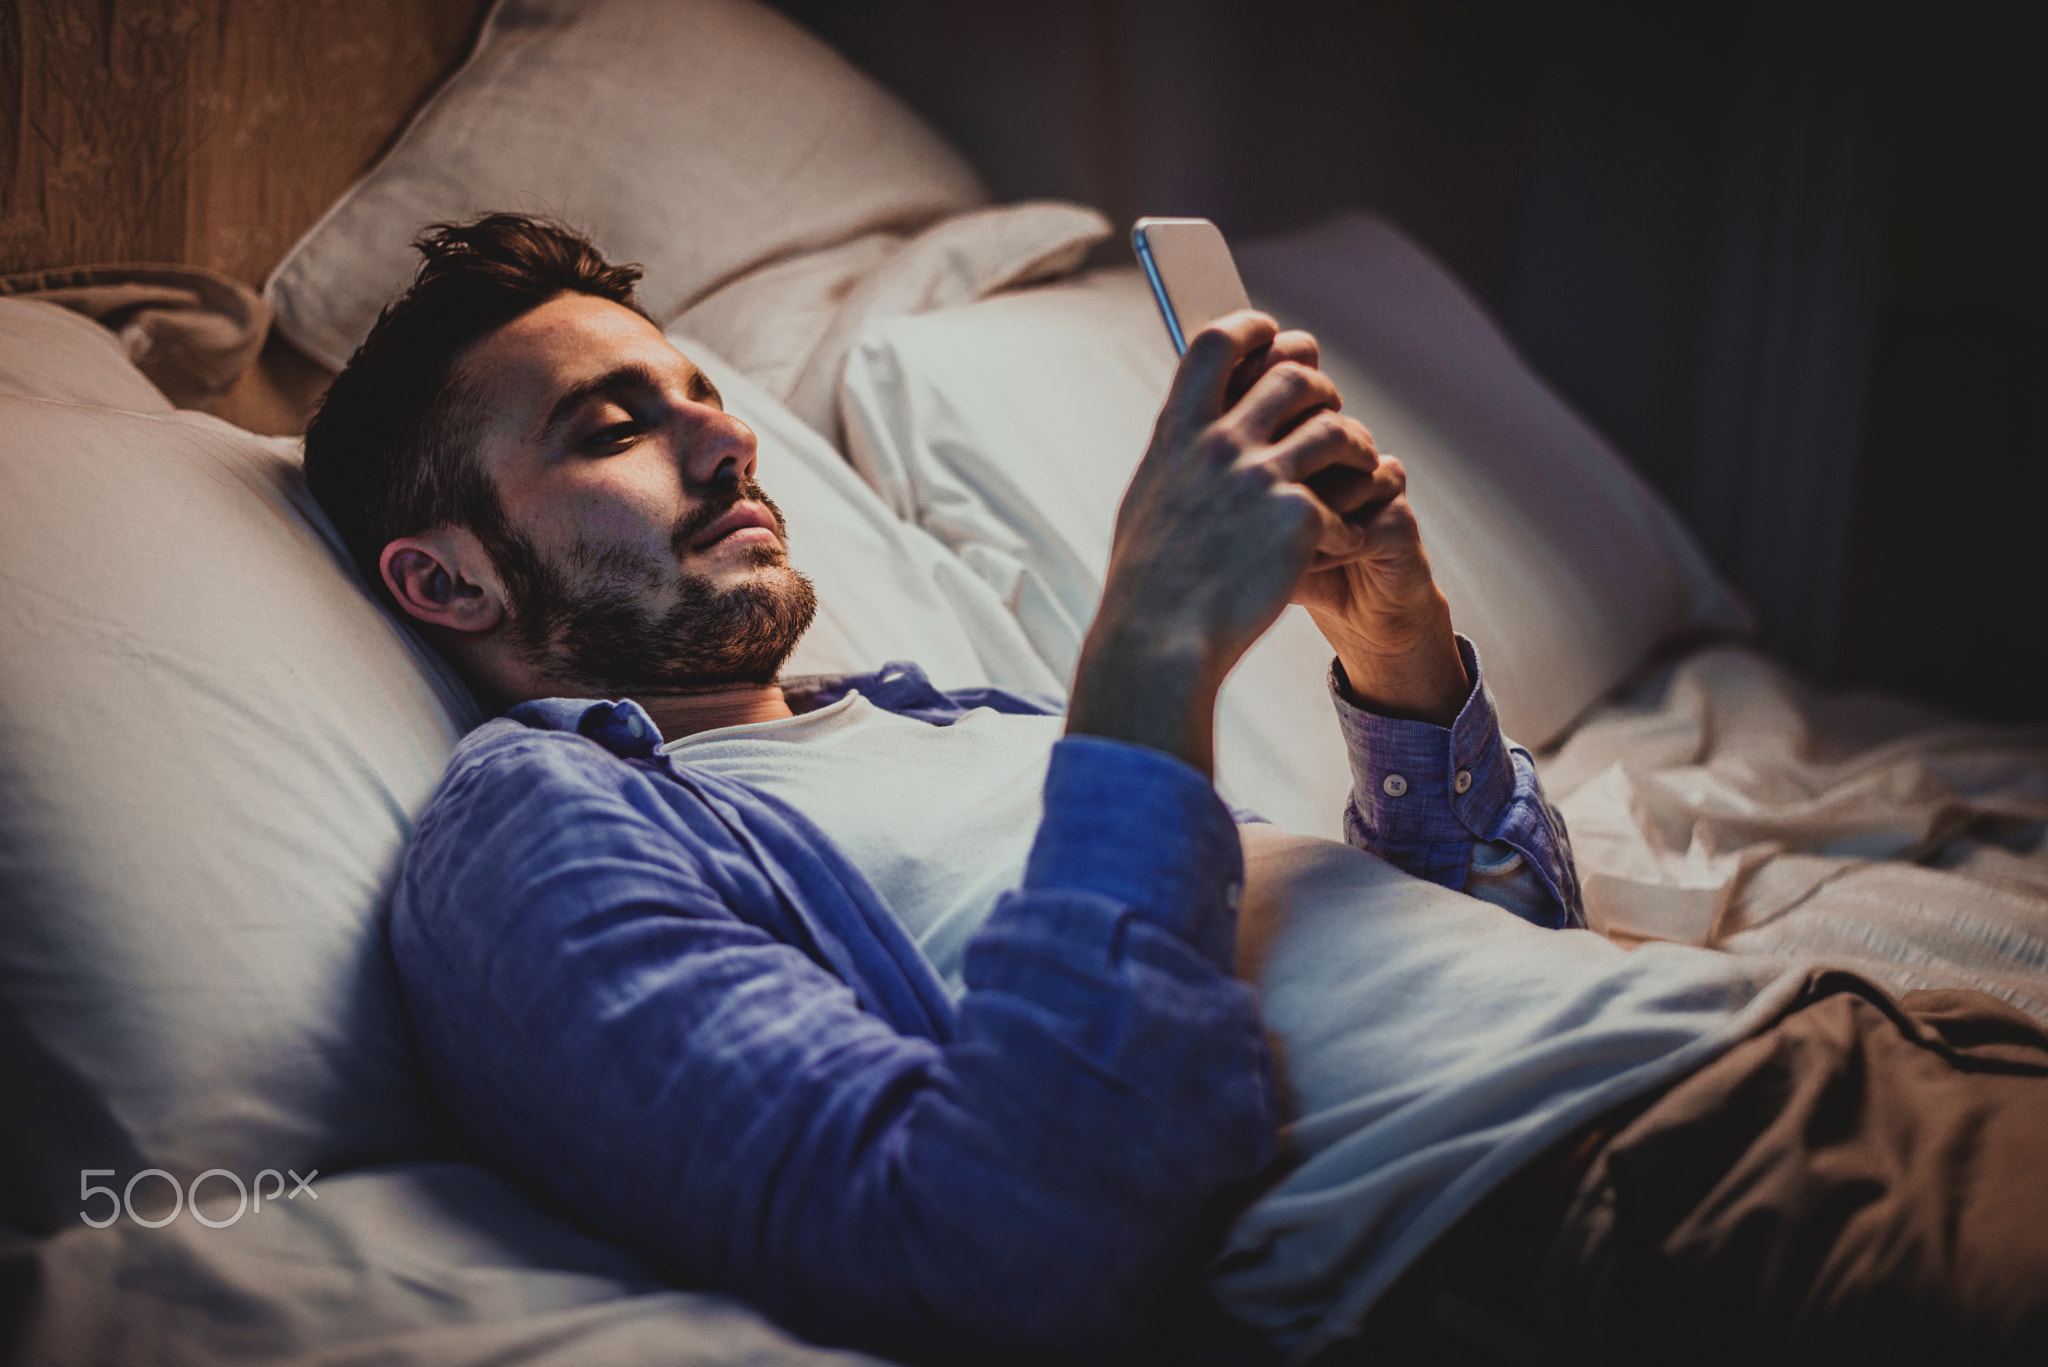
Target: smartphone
pixel 1192 274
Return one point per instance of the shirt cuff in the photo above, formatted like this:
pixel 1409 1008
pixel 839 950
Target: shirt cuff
pixel 1424 788
pixel 1145 830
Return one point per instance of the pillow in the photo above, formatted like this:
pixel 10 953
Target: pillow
pixel 794 321
pixel 1010 428
pixel 701 138
pixel 212 744
pixel 46 349
pixel 1559 556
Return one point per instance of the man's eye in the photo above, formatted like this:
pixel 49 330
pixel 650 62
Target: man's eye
pixel 611 436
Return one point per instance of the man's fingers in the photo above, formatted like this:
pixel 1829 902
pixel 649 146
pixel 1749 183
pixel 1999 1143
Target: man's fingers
pixel 1327 450
pixel 1295 346
pixel 1214 354
pixel 1336 540
pixel 1283 396
pixel 1333 459
pixel 1345 490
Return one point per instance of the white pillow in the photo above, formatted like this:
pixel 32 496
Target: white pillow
pixel 700 138
pixel 49 351
pixel 191 332
pixel 790 324
pixel 1011 427
pixel 1563 564
pixel 212 744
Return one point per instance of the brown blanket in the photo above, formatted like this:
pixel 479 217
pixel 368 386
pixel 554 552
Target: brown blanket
pixel 1866 1176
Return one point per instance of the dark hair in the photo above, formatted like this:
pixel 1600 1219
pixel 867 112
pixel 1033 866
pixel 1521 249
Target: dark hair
pixel 391 451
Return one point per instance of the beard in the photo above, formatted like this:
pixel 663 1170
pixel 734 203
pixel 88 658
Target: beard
pixel 585 622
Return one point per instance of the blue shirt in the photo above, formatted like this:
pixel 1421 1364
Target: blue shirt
pixel 667 1004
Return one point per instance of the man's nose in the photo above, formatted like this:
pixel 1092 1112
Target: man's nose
pixel 716 446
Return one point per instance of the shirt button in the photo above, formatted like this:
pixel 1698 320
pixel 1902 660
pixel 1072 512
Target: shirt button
pixel 1395 785
pixel 635 727
pixel 1232 894
pixel 1463 782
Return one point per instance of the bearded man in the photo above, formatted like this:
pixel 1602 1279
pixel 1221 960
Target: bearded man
pixel 912 1016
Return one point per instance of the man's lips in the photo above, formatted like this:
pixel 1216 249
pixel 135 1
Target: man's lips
pixel 744 518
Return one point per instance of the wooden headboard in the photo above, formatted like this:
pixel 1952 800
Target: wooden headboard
pixel 205 132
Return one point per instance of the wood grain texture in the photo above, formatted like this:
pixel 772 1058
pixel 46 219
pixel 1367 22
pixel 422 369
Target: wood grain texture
pixel 204 132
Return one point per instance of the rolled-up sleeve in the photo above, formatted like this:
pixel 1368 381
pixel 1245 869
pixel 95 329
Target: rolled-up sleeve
pixel 1460 805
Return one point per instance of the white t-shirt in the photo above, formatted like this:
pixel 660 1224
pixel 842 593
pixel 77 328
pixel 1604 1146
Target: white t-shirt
pixel 939 818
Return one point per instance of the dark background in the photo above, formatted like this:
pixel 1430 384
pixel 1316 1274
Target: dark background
pixel 1790 258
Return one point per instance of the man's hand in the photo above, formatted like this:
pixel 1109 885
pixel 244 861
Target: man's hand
pixel 1378 605
pixel 1217 529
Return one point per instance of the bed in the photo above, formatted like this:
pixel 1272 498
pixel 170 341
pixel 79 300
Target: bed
pixel 214 739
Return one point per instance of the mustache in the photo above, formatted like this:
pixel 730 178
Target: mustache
pixel 722 498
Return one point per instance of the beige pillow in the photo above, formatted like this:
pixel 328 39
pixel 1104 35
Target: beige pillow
pixel 1561 562
pixel 213 743
pixel 791 324
pixel 700 138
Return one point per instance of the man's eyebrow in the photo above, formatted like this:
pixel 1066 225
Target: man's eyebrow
pixel 633 376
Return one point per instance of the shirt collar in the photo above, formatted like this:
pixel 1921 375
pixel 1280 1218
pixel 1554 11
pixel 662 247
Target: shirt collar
pixel 624 728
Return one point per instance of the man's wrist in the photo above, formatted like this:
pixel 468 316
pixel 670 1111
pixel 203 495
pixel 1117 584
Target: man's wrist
pixel 1425 680
pixel 1146 688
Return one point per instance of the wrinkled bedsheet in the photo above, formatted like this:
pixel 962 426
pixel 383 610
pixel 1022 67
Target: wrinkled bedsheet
pixel 1726 803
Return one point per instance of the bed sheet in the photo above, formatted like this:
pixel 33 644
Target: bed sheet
pixel 1725 802
pixel 403 1266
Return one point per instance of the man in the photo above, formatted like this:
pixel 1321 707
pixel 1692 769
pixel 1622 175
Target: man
pixel 911 1015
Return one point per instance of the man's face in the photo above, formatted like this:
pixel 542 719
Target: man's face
pixel 639 555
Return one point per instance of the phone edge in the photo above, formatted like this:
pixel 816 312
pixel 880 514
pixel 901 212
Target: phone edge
pixel 1144 252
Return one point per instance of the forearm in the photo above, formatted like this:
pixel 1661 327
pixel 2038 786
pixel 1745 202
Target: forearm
pixel 1146 686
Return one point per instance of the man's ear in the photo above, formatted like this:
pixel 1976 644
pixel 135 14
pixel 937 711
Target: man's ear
pixel 444 579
